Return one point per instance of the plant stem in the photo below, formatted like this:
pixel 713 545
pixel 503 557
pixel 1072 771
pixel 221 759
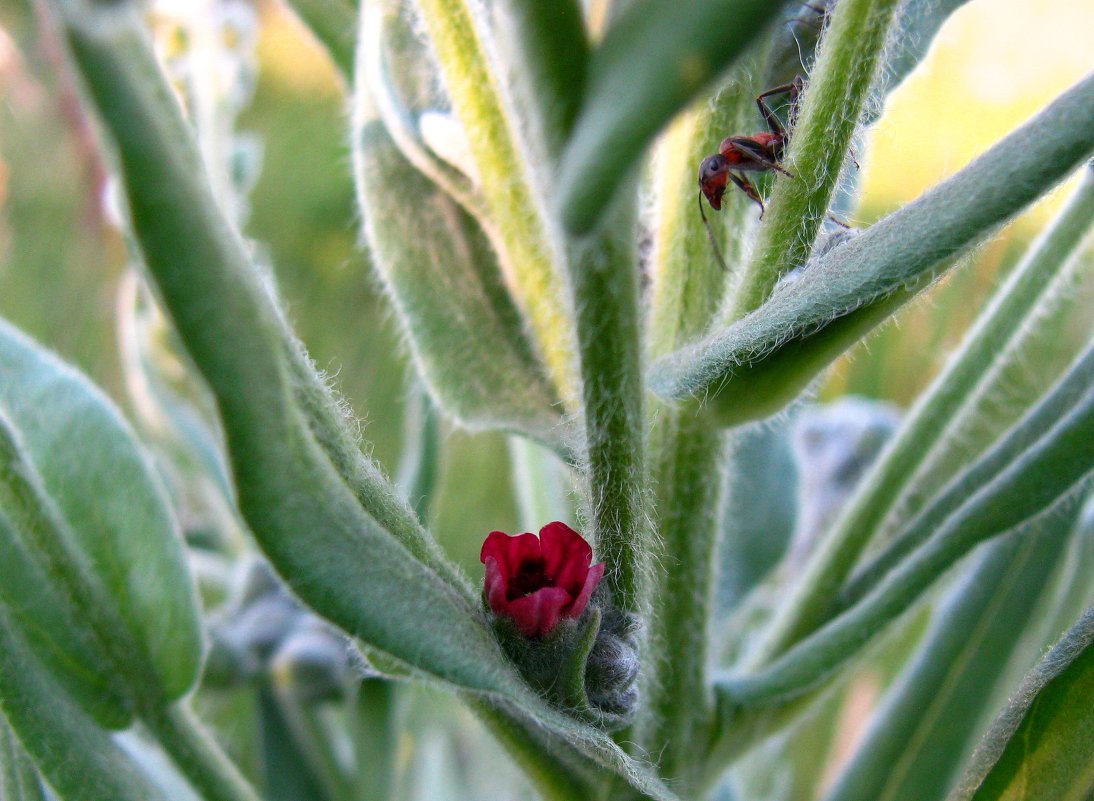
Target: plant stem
pixel 1013 305
pixel 605 298
pixel 685 452
pixel 376 738
pixel 196 753
pixel 846 63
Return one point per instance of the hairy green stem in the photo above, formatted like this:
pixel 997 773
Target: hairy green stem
pixel 846 64
pixel 1004 321
pixel 605 299
pixel 685 452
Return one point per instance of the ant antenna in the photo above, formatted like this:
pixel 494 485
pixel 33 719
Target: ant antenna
pixel 710 235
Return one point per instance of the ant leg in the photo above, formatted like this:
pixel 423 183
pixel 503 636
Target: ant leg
pixel 793 89
pixel 746 186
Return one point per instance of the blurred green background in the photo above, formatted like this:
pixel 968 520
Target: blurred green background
pixel 994 64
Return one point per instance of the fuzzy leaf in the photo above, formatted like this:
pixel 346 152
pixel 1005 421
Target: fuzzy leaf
pixel 111 501
pixel 764 360
pixel 76 757
pixel 985 387
pixel 444 282
pixel 657 55
pixel 1042 745
pixel 1039 476
pixel 528 252
pixel 546 47
pixel 1077 384
pixel 40 602
pixel 930 720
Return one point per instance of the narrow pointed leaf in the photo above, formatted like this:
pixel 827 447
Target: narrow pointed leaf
pixel 1057 467
pixel 657 55
pixel 760 363
pixel 110 499
pixel 77 757
pixel 931 719
pixel 1042 745
pixel 983 389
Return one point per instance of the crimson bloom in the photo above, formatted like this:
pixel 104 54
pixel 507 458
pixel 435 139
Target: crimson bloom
pixel 537 581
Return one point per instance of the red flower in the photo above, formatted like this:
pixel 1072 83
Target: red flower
pixel 536 581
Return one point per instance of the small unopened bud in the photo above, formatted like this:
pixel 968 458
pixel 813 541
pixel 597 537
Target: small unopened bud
pixel 312 663
pixel 611 672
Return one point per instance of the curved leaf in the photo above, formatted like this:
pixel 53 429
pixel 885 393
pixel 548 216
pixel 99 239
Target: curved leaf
pixel 982 390
pixel 77 758
pixel 529 253
pixel 444 282
pixel 761 362
pixel 1058 466
pixel 1042 745
pixel 929 722
pixel 19 779
pixel 111 501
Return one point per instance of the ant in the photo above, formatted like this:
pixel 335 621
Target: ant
pixel 758 153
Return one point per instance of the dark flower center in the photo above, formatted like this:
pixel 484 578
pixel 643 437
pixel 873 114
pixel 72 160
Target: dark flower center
pixel 530 576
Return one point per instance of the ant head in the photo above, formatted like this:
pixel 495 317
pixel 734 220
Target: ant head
pixel 713 174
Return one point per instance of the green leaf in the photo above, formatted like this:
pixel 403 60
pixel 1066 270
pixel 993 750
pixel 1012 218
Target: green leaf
pixel 656 56
pixel 1064 397
pixel 1042 745
pixel 78 758
pixel 110 502
pixel 761 362
pixel 1037 477
pixel 42 605
pixel 19 779
pixel 986 385
pixel 930 721
pixel 287 773
pixel 758 517
pixel 546 49
pixel 308 520
pixel 530 255
pixel 916 25
pixel 464 332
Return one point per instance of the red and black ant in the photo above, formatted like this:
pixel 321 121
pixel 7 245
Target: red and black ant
pixel 761 152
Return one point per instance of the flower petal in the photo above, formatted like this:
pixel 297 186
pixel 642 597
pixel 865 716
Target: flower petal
pixel 509 551
pixel 566 555
pixel 578 604
pixel 496 586
pixel 536 614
